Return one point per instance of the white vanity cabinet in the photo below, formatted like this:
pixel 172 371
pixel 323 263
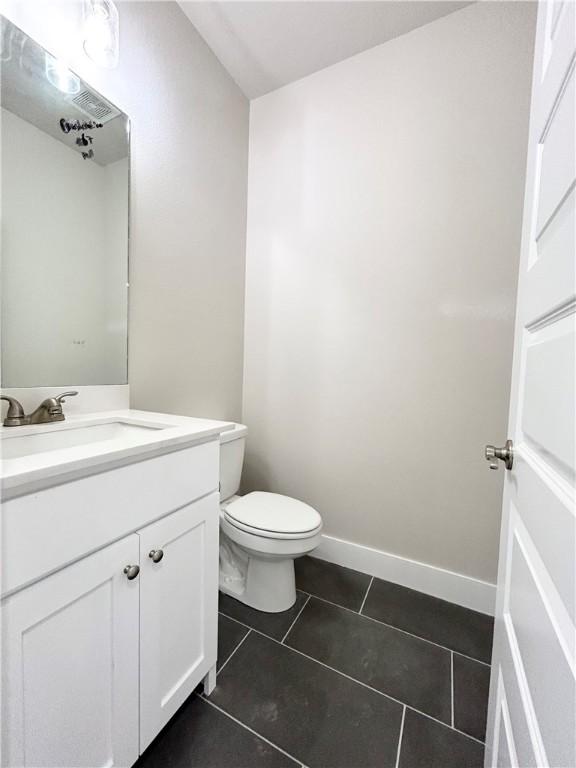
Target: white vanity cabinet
pixel 95 663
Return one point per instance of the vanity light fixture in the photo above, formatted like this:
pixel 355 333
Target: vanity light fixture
pixel 101 37
pixel 60 76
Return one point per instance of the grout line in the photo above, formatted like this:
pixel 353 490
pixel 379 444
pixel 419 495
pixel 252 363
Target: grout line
pixel 452 686
pixel 296 619
pixel 359 682
pixel 391 626
pixel 255 733
pixel 242 624
pixel 365 596
pixel 234 651
pixel 400 737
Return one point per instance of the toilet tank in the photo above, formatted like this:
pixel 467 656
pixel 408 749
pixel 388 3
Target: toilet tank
pixel 232 444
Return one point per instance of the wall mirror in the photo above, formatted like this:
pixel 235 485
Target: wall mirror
pixel 65 178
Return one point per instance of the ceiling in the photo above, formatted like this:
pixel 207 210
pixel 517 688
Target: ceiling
pixel 265 45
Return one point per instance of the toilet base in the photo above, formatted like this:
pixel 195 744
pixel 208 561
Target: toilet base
pixel 266 583
pixel 270 585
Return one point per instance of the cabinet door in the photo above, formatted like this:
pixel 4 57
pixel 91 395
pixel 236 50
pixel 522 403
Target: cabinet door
pixel 178 610
pixel 70 665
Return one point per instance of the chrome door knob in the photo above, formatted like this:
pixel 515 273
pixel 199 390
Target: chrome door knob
pixel 505 454
pixel 131 571
pixel 156 555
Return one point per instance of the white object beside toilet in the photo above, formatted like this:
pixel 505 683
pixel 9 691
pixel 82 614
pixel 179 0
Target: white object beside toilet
pixel 261 534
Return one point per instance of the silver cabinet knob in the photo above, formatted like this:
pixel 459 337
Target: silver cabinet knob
pixel 505 454
pixel 156 555
pixel 131 571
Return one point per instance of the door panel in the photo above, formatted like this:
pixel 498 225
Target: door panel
pixel 532 706
pixel 557 154
pixel 553 692
pixel 518 730
pixel 554 56
pixel 549 406
pixel 507 757
pixel 550 281
pixel 178 610
pixel 555 531
pixel 70 666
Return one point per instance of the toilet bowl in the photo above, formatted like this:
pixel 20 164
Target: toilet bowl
pixel 261 534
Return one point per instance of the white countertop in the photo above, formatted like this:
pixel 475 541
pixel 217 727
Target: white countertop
pixel 32 472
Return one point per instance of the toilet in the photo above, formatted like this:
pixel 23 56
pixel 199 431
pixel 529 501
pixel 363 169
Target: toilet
pixel 261 534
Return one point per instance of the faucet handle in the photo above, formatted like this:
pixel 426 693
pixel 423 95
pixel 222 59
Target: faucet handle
pixel 14 406
pixel 50 409
pixel 60 398
pixel 15 414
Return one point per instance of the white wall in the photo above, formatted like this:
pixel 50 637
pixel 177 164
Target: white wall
pixel 384 216
pixel 189 143
pixel 59 294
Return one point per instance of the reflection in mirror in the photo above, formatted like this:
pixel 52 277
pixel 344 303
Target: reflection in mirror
pixel 65 156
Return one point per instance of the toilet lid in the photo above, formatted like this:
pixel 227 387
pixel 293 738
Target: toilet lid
pixel 273 513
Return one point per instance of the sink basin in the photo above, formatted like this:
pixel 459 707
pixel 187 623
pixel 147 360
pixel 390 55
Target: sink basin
pixel 18 446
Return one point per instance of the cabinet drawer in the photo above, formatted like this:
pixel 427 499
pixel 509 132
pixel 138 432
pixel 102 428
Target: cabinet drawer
pixel 46 530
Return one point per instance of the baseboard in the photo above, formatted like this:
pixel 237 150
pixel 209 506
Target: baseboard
pixel 438 582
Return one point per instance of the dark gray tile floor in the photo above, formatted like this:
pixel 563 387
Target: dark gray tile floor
pixel 404 667
pixel 358 674
pixel 200 736
pixel 471 683
pixel 274 625
pixel 230 635
pixel 331 582
pixel 311 712
pixel 428 744
pixel 458 628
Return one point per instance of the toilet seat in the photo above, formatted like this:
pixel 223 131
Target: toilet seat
pixel 273 515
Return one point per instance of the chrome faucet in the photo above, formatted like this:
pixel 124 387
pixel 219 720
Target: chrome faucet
pixel 49 411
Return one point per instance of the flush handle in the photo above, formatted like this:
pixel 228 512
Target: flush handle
pixel 131 571
pixel 156 555
pixel 505 454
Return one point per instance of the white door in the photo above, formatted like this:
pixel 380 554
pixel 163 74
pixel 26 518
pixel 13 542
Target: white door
pixel 178 610
pixel 70 666
pixel 532 711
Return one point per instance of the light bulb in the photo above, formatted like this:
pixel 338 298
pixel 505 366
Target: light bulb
pixel 101 32
pixel 60 76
